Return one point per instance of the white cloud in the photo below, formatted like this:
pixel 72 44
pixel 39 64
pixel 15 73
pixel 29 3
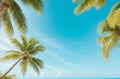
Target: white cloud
pixel 3 47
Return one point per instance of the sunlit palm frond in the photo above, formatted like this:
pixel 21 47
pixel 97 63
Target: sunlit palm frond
pixel 39 62
pixel 84 5
pixel 112 42
pixel 18 16
pixel 37 5
pixel 17 44
pixel 36 50
pixel 114 16
pixel 24 65
pixel 100 3
pixel 104 39
pixel 24 42
pixel 7 23
pixel 34 66
pixel 10 57
pixel 32 43
pixel 13 51
pixel 104 27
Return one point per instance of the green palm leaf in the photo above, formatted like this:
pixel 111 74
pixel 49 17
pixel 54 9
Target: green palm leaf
pixel 112 42
pixel 11 57
pixel 38 62
pixel 18 16
pixel 104 27
pixel 36 50
pixel 37 5
pixel 7 23
pixel 17 44
pixel 34 65
pixel 24 65
pixel 100 3
pixel 32 43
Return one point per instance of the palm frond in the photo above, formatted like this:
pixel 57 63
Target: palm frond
pixel 36 50
pixel 17 44
pixel 7 23
pixel 114 16
pixel 112 42
pixel 37 5
pixel 18 16
pixel 32 43
pixel 104 27
pixel 10 57
pixel 100 3
pixel 84 5
pixel 13 51
pixel 34 66
pixel 24 41
pixel 104 39
pixel 24 65
pixel 39 62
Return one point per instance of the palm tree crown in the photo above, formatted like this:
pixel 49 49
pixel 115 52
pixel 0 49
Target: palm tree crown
pixel 25 54
pixel 87 4
pixel 110 30
pixel 9 9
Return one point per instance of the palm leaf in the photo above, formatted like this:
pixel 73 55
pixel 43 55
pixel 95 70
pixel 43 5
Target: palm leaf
pixel 34 65
pixel 100 3
pixel 112 42
pixel 104 27
pixel 104 39
pixel 36 50
pixel 10 57
pixel 32 43
pixel 18 16
pixel 13 51
pixel 38 62
pixel 7 23
pixel 24 65
pixel 24 42
pixel 17 44
pixel 84 5
pixel 37 5
pixel 114 16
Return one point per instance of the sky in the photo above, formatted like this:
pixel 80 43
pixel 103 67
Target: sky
pixel 71 48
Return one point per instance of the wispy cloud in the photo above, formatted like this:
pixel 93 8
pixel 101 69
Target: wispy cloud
pixel 3 47
pixel 60 59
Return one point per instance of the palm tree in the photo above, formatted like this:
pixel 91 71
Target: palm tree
pixel 10 8
pixel 110 30
pixel 25 55
pixel 110 37
pixel 88 4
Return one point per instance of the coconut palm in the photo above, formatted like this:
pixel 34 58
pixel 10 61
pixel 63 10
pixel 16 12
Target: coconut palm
pixel 110 30
pixel 10 9
pixel 110 37
pixel 25 55
pixel 88 4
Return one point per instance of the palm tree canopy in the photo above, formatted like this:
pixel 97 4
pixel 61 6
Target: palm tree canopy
pixel 114 16
pixel 11 8
pixel 26 50
pixel 88 4
pixel 110 37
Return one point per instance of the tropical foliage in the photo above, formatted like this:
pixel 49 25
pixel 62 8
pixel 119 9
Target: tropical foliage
pixel 88 4
pixel 25 54
pixel 110 30
pixel 10 10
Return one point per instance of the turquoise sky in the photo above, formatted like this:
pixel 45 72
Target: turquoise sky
pixel 71 42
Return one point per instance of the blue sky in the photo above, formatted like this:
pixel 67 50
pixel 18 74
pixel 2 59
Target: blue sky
pixel 71 42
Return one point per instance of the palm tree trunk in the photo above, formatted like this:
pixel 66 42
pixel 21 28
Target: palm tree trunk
pixel 2 76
